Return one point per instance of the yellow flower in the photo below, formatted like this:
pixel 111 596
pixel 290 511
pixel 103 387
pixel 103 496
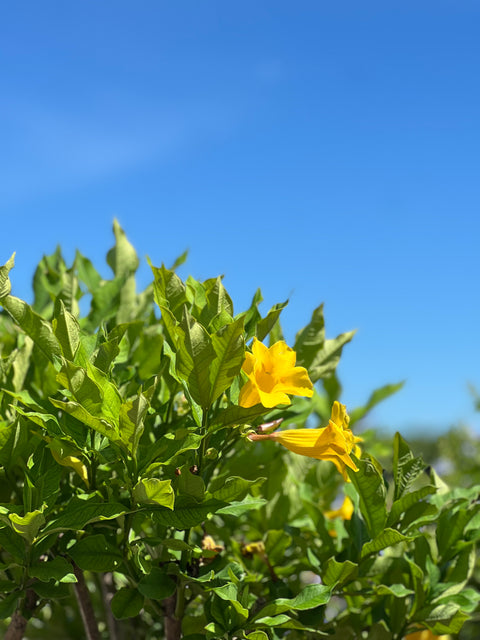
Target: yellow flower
pixel 345 511
pixel 426 634
pixel 334 442
pixel 253 549
pixel 272 375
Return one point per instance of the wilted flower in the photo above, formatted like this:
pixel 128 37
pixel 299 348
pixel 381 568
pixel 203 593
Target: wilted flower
pixel 272 375
pixel 335 442
pixel 253 549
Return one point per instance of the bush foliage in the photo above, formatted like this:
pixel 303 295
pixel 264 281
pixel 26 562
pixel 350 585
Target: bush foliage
pixel 133 503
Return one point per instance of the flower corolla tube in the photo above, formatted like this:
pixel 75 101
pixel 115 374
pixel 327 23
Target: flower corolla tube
pixel 273 376
pixel 335 442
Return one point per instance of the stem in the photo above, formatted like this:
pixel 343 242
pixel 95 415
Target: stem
pixel 85 605
pixel 173 626
pixel 18 623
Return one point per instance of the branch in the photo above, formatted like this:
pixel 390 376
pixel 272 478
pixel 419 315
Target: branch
pixel 85 605
pixel 18 623
pixel 173 626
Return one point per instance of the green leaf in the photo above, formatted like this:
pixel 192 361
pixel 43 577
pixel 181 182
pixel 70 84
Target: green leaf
pixel 157 585
pixel 126 603
pixel 5 284
pixel 257 635
pixel 56 569
pixel 66 329
pixel 169 447
pixel 194 357
pixel 386 538
pixel 337 573
pixel 265 325
pixel 375 398
pixel 38 329
pixel 13 544
pixel 310 340
pixel 406 468
pixel 168 290
pixel 94 553
pixel 309 598
pixel 229 346
pixel 154 491
pixel 185 514
pixel 132 416
pixel 235 415
pixel 369 484
pixel 122 258
pixel 404 503
pixel 28 525
pixel 9 604
pixel 78 513
pixel 238 508
pixel 191 484
pixel 319 356
pixel 277 541
pixel 235 488
pixel 397 590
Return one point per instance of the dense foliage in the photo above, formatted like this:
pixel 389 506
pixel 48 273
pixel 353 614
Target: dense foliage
pixel 137 500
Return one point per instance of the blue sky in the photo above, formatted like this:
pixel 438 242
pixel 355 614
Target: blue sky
pixel 325 152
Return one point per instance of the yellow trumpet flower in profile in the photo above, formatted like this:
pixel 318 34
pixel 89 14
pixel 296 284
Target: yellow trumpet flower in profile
pixel 273 376
pixel 335 442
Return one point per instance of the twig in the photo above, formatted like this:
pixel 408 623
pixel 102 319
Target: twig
pixel 85 605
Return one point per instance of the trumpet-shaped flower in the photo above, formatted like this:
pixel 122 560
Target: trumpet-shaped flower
pixel 334 442
pixel 273 376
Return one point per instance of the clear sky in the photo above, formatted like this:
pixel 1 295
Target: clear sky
pixel 323 151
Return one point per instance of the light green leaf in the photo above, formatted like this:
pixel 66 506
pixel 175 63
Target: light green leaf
pixel 28 525
pixel 229 346
pixel 337 573
pixel 154 491
pixel 238 508
pixel 386 538
pixel 132 416
pixel 5 284
pixel 406 468
pixel 397 590
pixel 67 330
pixel 375 398
pixel 168 290
pixel 194 357
pixel 310 597
pixel 39 330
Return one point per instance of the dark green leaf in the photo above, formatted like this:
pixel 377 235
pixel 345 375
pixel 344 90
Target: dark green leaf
pixel 126 603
